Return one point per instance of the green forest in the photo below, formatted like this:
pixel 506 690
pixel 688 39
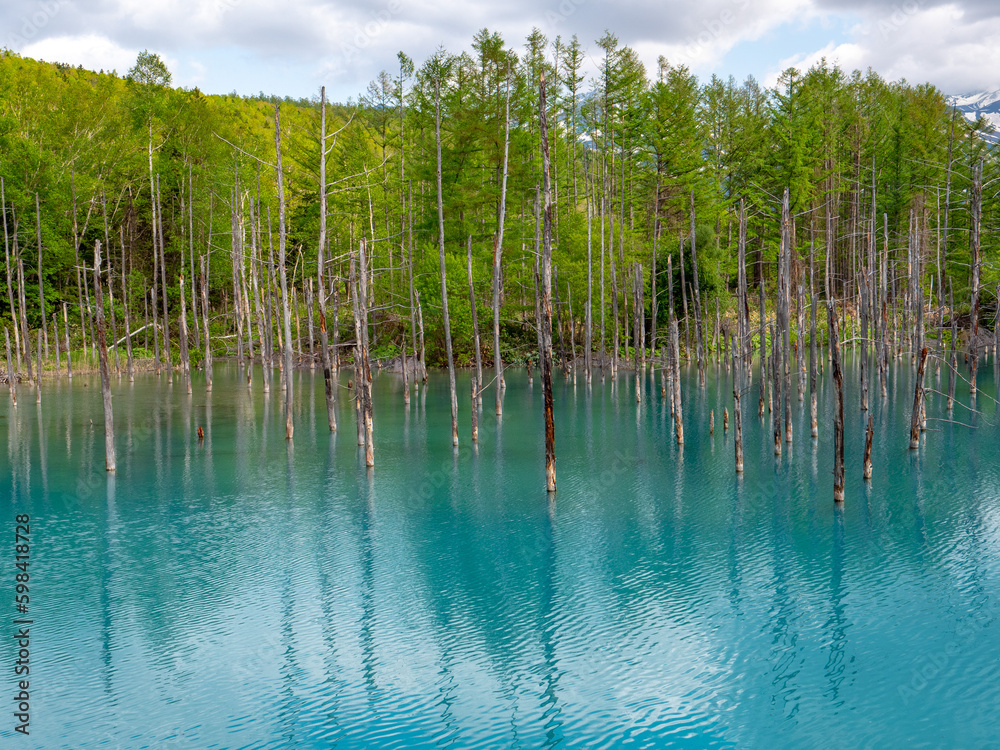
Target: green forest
pixel 646 166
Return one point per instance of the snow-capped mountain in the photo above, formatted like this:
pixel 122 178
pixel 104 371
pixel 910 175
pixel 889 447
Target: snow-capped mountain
pixel 984 104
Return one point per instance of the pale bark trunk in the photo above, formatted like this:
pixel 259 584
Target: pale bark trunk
pixel 546 354
pixel 185 362
pixel 475 324
pixel 976 207
pixel 869 433
pixel 918 397
pixel 69 363
pixel 588 327
pixel 163 286
pixel 329 383
pixel 366 370
pixel 838 418
pixel 204 314
pixel 678 411
pixel 41 285
pixel 497 255
pixel 289 426
pixel 10 370
pixel 109 429
pixel 444 283
pixel 763 353
pixel 699 336
pixel 6 250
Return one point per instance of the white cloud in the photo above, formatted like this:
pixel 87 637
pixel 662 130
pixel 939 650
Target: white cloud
pixel 943 45
pixel 716 28
pixel 295 46
pixel 90 50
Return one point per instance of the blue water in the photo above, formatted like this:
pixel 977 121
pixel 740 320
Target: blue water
pixel 248 593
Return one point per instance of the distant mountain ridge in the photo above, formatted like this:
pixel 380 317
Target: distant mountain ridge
pixel 985 104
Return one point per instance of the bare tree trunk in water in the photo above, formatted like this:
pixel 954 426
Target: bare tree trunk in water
pixel 324 339
pixel 546 363
pixel 289 426
pixel 497 253
pixel 109 425
pixel 444 284
pixel 838 418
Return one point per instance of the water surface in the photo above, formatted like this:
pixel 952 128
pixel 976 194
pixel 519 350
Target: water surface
pixel 250 593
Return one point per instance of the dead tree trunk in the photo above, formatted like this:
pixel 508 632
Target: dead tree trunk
pixel 365 384
pixel 185 361
pixel 420 326
pixel 11 377
pixel 800 346
pixel 289 426
pixel 739 349
pixel 786 296
pixel 497 254
pixel 776 412
pixel 869 433
pixel 111 288
pixel 953 354
pixel 546 353
pixel 413 307
pixel 763 353
pixel 813 424
pixel 163 286
pixel 977 208
pixel 636 323
pixel 572 330
pixel 838 416
pixel 653 301
pixel 615 341
pixel 309 324
pixel 55 339
pixel 475 324
pixel 444 284
pixel 114 325
pixel 38 368
pixel 678 411
pixel 354 293
pixel 738 411
pixel 699 334
pixel 324 341
pixel 194 294
pixel 69 363
pixel 475 410
pixel 559 325
pixel 204 314
pixel 25 336
pixel 918 397
pixel 41 285
pixel 109 427
pixel 6 250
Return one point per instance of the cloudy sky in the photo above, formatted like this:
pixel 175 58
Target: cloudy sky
pixel 294 46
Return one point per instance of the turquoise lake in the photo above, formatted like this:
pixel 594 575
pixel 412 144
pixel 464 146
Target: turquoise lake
pixel 245 592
